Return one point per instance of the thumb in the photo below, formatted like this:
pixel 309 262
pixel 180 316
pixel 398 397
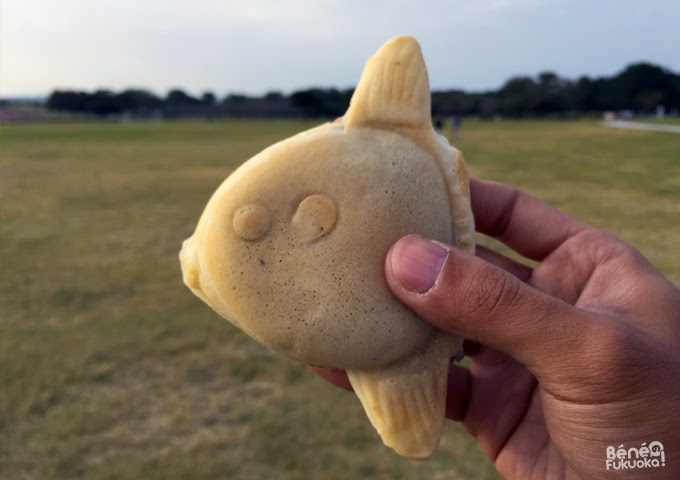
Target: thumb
pixel 464 295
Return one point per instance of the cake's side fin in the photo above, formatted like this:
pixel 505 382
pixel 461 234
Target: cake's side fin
pixel 457 181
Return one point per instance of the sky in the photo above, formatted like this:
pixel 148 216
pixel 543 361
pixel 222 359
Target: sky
pixel 256 46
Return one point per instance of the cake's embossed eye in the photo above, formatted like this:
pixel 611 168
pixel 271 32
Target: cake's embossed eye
pixel 251 222
pixel 315 217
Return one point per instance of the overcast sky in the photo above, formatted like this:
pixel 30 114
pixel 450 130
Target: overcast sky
pixel 255 46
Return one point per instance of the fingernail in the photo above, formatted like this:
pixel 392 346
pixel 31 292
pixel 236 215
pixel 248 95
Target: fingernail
pixel 416 263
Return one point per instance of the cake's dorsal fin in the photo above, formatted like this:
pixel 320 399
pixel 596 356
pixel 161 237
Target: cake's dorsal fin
pixel 393 90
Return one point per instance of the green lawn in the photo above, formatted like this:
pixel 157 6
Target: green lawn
pixel 111 369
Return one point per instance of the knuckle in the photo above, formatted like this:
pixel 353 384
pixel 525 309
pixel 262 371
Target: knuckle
pixel 491 292
pixel 607 248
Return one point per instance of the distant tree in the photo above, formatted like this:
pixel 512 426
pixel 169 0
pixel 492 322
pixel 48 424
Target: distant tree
pixel 273 96
pixel 208 99
pixel 138 100
pixel 179 104
pixel 102 103
pixel 235 98
pixel 456 102
pixel 553 94
pixel 640 87
pixel 308 101
pixel 179 98
pixel 583 95
pixel 68 101
pixel 645 86
pixel 317 102
pixel 518 96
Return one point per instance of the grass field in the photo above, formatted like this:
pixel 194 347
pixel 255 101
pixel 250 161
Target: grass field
pixel 111 369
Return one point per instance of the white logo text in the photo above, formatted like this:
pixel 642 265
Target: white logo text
pixel 645 456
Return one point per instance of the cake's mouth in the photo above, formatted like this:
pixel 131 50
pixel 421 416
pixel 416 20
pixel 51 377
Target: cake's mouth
pixel 191 270
pixel 196 276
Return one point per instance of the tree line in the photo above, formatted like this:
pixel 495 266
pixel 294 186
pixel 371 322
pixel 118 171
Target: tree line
pixel 640 88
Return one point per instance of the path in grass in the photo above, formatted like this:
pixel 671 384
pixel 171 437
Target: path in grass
pixel 642 126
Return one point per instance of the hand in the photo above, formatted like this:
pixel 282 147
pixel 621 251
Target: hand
pixel 574 355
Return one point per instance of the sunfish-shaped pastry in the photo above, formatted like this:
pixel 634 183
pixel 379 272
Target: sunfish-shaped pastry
pixel 291 246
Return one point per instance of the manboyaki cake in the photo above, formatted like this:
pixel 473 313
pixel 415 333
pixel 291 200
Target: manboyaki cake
pixel 291 246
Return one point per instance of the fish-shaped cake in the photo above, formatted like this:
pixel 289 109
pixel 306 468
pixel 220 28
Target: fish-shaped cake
pixel 291 247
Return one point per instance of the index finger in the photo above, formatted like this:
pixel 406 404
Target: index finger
pixel 527 225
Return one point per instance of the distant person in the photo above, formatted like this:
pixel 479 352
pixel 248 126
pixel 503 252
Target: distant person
pixel 575 362
pixel 438 124
pixel 455 123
